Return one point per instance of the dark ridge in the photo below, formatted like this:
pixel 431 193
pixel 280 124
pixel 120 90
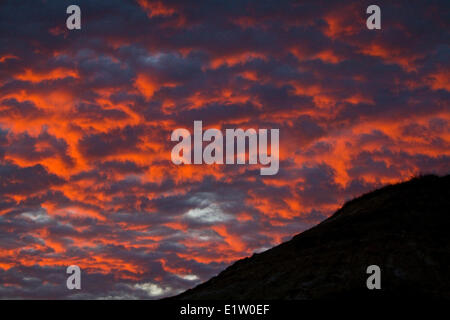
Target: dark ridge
pixel 402 228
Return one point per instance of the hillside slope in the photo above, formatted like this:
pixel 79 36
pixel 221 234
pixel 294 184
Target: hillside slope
pixel 402 228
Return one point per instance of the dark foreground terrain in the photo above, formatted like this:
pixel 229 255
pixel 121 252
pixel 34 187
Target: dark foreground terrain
pixel 402 228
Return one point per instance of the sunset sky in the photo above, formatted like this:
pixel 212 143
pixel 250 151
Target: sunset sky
pixel 86 115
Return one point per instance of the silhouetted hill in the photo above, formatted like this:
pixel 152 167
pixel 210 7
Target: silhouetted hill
pixel 402 228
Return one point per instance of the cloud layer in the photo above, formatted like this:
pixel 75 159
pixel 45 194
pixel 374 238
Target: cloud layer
pixel 86 118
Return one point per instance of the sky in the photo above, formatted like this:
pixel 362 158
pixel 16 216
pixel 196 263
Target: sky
pixel 86 176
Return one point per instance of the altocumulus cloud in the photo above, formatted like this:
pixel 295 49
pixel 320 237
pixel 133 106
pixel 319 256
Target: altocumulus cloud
pixel 86 117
